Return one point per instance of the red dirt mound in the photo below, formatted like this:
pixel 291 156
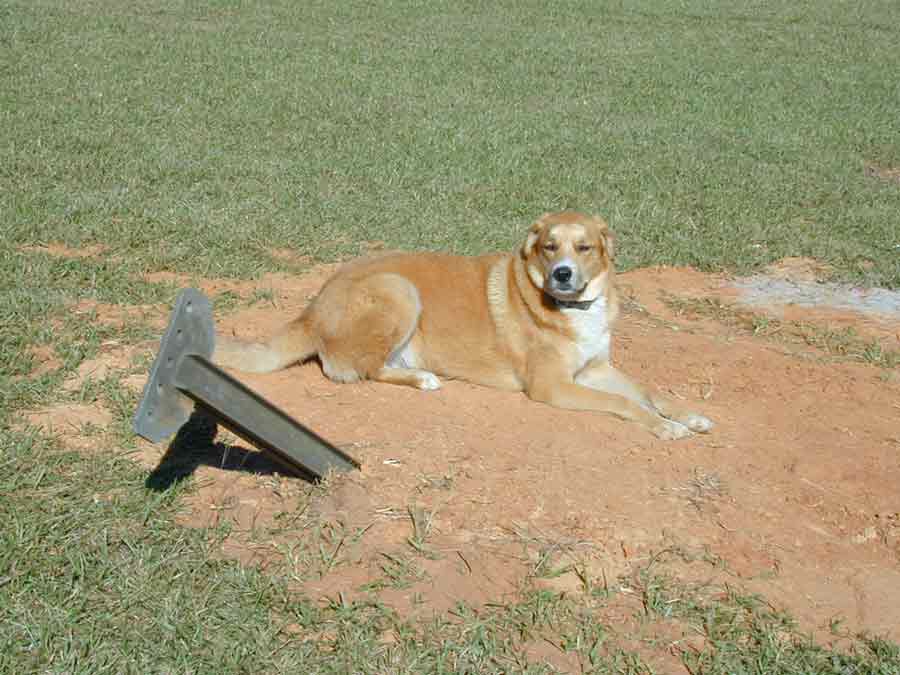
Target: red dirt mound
pixel 467 490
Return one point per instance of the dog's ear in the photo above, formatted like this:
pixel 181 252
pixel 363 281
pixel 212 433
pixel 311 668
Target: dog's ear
pixel 609 242
pixel 606 236
pixel 534 233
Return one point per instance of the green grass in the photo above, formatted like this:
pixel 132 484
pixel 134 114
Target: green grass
pixel 103 580
pixel 197 136
pixel 843 343
pixel 739 633
pixel 723 136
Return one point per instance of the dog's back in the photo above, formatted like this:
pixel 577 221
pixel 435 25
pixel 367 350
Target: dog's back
pixel 427 311
pixel 455 334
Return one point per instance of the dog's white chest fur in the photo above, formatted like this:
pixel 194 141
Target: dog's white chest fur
pixel 591 328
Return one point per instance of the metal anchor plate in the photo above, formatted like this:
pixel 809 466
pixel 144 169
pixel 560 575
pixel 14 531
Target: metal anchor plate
pixel 183 377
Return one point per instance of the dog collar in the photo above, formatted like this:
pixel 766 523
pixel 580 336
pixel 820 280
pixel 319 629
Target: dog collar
pixel 573 304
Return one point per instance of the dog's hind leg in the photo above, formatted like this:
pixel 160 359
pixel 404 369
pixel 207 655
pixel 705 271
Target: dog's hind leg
pixel 372 338
pixel 411 377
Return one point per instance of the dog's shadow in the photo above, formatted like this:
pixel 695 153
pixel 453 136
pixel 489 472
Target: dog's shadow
pixel 195 445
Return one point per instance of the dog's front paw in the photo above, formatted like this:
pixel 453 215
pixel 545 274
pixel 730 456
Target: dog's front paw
pixel 669 430
pixel 698 423
pixel 428 381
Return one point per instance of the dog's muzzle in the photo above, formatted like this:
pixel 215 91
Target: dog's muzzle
pixel 564 279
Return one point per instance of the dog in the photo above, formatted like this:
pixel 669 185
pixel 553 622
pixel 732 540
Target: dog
pixel 537 320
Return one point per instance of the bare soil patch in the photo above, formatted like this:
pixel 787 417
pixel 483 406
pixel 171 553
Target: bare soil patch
pixel 282 290
pixel 468 493
pixel 80 425
pixel 800 269
pixel 59 250
pixel 290 256
pixel 116 315
pixel 44 360
pixel 114 360
pixel 888 173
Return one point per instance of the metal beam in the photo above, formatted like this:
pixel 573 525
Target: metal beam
pixel 182 376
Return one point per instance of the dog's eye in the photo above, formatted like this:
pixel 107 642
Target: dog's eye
pixel 550 247
pixel 583 248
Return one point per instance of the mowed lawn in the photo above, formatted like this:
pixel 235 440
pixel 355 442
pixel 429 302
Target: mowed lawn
pixel 196 134
pixel 200 136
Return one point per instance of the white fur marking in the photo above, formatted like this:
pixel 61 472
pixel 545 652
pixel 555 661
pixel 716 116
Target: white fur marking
pixel 429 381
pixel 698 423
pixel 591 330
pixel 595 287
pixel 565 262
pixel 670 430
pixel 404 357
pixel 496 292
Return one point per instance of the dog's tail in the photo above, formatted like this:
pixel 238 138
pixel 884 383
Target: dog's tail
pixel 295 342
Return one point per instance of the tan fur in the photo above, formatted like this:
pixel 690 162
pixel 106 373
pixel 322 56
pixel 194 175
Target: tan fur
pixel 499 320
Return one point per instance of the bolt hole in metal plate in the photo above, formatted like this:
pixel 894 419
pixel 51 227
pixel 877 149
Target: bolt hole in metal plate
pixel 163 408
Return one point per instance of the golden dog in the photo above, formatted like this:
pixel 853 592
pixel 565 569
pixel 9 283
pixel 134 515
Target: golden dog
pixel 537 320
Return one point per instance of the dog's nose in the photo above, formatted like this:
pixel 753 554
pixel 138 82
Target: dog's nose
pixel 562 274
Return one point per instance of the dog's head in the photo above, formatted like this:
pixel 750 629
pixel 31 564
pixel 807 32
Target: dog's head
pixel 569 255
